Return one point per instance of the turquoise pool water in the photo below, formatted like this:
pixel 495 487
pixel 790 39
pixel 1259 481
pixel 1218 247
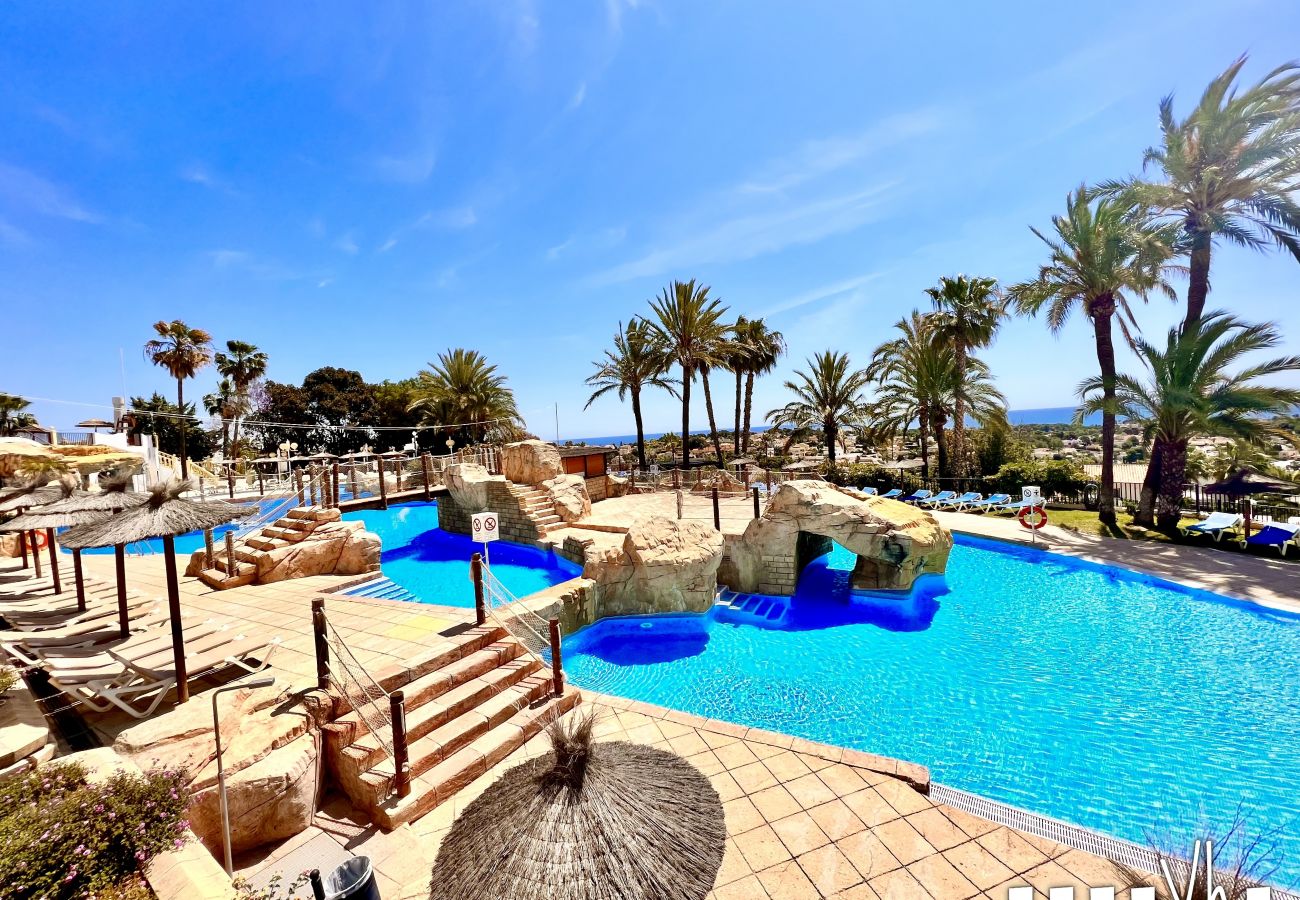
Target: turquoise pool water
pixel 1095 695
pixel 188 543
pixel 434 564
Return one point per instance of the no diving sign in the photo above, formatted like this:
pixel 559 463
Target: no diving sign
pixel 484 527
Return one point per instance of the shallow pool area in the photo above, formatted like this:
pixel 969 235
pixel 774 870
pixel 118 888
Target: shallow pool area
pixel 1092 694
pixel 433 564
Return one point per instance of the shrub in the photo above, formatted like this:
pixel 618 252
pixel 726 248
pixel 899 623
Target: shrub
pixel 62 837
pixel 1058 477
pixel 8 678
pixel 860 475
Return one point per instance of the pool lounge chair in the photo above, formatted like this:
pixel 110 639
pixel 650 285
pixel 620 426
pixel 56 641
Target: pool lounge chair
pixel 91 659
pixel 892 494
pixel 869 491
pixel 1015 506
pixel 992 502
pixel 917 496
pixel 26 646
pixel 957 504
pixel 1274 534
pixel 1217 524
pixel 933 502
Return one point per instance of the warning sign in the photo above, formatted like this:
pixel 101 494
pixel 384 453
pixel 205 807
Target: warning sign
pixel 484 527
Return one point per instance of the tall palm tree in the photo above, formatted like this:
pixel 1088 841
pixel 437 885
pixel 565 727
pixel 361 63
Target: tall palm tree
pixel 737 355
pixel 1102 253
pixel 1230 169
pixel 829 394
pixel 182 351
pixel 763 347
pixel 464 395
pixel 1191 393
pixel 639 360
pixel 967 313
pixel 690 324
pixel 243 364
pixel 223 403
pixel 12 413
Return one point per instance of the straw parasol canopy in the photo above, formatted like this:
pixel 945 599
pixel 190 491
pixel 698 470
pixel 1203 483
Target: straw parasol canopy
pixel 15 452
pixel 1247 481
pixel 743 461
pixel 39 494
pixel 95 424
pixel 587 822
pixel 165 514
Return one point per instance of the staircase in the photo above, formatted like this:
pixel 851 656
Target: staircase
pixel 537 505
pixel 295 526
pixel 475 703
pixel 763 610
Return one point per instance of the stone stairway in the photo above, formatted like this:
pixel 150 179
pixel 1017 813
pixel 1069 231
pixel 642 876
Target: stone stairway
pixel 295 526
pixel 537 505
pixel 468 707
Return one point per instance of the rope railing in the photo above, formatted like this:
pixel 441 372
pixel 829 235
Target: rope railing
pixel 539 637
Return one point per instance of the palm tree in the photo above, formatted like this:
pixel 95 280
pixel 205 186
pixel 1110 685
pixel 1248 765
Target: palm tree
pixel 182 351
pixel 968 312
pixel 1100 255
pixel 736 355
pixel 243 364
pixel 690 324
pixel 763 347
pixel 223 403
pixel 462 394
pixel 829 394
pixel 1230 169
pixel 12 416
pixel 1191 393
pixel 639 360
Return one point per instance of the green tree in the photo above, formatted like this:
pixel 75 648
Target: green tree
pixel 170 425
pixel 182 351
pixel 1230 168
pixel 1191 392
pixel 829 395
pixel 463 395
pixel 761 349
pixel 224 404
pixel 967 314
pixel 243 364
pixel 690 324
pixel 640 359
pixel 1102 254
pixel 13 415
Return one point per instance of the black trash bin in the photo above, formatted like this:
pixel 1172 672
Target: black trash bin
pixel 354 880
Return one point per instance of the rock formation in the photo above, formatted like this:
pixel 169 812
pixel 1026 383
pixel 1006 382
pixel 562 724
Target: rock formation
pixel 569 493
pixel 661 565
pixel 530 462
pixel 895 543
pixel 332 548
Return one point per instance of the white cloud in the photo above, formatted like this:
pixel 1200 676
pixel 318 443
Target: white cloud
pixel 13 235
pixel 27 190
pixel 410 168
pixel 835 289
pixel 348 244
pixel 455 218
pixel 198 173
pixel 387 245
pixel 605 239
pixel 578 96
pixel 224 259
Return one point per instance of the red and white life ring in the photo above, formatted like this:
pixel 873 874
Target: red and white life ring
pixel 1033 517
pixel 39 542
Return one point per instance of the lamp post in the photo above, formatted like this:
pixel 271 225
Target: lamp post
pixel 451 446
pixel 265 681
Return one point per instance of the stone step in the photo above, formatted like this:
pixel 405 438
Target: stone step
pixel 546 520
pixel 295 523
pixel 448 777
pixel 243 559
pixel 366 751
pixel 288 535
pixel 315 513
pixel 218 580
pixel 259 542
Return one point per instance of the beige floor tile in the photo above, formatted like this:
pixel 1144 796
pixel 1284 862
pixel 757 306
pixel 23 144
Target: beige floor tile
pixel 836 819
pixel 905 799
pixel 775 803
pixel 935 827
pixel 971 824
pixel 706 762
pixel 978 865
pixel 733 866
pixel 858 892
pixel 902 840
pixel 687 744
pixel 753 777
pixel 841 779
pixel 809 790
pixel 1012 850
pixel 940 878
pixel 762 848
pixel 869 856
pixel 898 885
pixel 1092 870
pixel 742 815
pixel 829 870
pixel 735 755
pixel 800 833
pixel 787 881
pixel 870 807
pixel 786 766
pixel 814 762
pixel 748 888
pixel 726 786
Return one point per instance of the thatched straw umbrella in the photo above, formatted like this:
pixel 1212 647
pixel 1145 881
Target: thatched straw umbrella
pixel 165 514
pixel 587 822
pixel 41 493
pixel 1247 482
pixel 17 453
pixel 86 509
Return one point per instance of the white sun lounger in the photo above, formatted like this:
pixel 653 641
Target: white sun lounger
pixel 76 661
pixel 93 613
pixel 1217 524
pixel 26 647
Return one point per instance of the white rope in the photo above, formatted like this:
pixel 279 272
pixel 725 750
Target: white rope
pixel 375 714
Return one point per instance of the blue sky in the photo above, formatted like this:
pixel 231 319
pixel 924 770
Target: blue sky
pixel 366 186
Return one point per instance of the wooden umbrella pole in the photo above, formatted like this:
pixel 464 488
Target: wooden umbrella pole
pixel 22 546
pixel 77 577
pixel 174 610
pixel 54 560
pixel 36 551
pixel 123 614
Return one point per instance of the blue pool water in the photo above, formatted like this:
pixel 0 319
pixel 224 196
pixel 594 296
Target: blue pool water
pixel 1095 695
pixel 434 564
pixel 188 543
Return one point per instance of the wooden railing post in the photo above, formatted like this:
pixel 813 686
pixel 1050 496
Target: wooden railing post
pixel 397 472
pixel 322 644
pixel 557 663
pixel 231 568
pixel 717 512
pixel 383 489
pixel 401 754
pixel 756 512
pixel 261 487
pixel 424 465
pixel 297 481
pixel 476 572
pixel 209 555
pixel 335 489
pixel 230 482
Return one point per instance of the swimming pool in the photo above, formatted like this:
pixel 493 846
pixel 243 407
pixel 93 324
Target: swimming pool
pixel 1095 695
pixel 434 564
pixel 188 543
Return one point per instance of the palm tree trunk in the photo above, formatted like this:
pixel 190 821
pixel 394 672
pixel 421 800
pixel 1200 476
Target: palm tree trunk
pixel 1101 319
pixel 713 425
pixel 1198 281
pixel 181 423
pixel 831 433
pixel 640 428
pixel 923 424
pixel 686 417
pixel 1146 514
pixel 959 415
pixel 941 441
pixel 749 408
pixel 1173 471
pixel 735 435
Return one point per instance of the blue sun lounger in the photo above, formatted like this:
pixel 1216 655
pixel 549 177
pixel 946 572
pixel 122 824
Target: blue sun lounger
pixel 1017 505
pixel 993 502
pixel 917 496
pixel 1275 534
pixel 938 498
pixel 1217 524
pixel 957 504
pixel 869 491
pixel 892 494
